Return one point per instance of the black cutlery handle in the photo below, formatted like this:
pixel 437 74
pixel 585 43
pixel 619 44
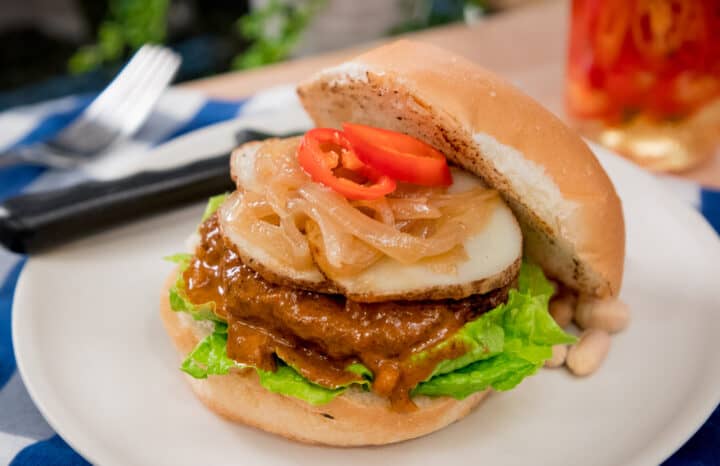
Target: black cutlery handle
pixel 31 222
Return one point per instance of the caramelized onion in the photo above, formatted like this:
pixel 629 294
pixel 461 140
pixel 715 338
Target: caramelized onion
pixel 303 224
pixel 360 257
pixel 381 209
pixel 413 208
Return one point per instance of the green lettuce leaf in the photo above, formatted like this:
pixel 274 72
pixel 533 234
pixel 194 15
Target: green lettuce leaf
pixel 501 372
pixel 532 281
pixel 482 338
pixel 210 358
pixel 178 300
pixel 286 381
pixel 182 259
pixel 179 303
pixel 525 316
pixel 526 332
pixel 361 370
pixel 213 205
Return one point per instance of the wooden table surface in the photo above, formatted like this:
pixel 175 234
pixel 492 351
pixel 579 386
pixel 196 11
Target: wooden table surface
pixel 525 45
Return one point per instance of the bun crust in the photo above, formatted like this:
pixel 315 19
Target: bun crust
pixel 570 214
pixel 355 418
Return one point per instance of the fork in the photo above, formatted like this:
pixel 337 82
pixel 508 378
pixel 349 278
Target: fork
pixel 117 112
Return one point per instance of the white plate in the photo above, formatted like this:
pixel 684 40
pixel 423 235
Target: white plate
pixel 96 360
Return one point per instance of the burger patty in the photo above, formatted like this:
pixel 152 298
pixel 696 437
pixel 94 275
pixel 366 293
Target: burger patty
pixel 320 334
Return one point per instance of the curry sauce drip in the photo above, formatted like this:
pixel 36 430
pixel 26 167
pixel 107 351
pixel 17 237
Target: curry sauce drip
pixel 320 334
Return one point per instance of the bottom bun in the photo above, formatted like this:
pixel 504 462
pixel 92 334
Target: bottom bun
pixel 354 418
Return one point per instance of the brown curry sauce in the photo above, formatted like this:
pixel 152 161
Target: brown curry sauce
pixel 319 334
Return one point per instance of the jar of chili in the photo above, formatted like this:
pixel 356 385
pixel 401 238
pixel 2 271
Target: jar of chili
pixel 643 78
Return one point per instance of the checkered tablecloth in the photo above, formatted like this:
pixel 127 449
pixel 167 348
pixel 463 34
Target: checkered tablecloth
pixel 25 437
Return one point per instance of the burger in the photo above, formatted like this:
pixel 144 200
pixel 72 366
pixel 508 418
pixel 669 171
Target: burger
pixel 374 279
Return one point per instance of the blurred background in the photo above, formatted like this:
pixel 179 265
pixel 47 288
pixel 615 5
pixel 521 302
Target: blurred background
pixel 50 48
pixel 643 76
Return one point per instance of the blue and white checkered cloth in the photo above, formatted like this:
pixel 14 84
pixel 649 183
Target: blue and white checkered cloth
pixel 25 437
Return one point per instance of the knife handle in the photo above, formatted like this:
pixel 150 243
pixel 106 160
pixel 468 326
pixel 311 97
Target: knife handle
pixel 31 222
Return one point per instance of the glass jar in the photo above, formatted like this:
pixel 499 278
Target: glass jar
pixel 643 78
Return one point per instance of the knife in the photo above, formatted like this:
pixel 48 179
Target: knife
pixel 33 222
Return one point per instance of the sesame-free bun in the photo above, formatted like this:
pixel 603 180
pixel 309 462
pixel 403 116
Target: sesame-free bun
pixel 569 212
pixel 353 419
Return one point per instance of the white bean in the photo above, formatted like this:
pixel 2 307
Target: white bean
pixel 586 356
pixel 559 353
pixel 562 309
pixel 611 315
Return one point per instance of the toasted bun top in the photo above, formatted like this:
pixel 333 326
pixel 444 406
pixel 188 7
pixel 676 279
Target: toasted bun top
pixel 570 214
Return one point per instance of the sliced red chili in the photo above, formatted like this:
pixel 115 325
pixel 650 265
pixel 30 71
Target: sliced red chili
pixel 401 157
pixel 329 158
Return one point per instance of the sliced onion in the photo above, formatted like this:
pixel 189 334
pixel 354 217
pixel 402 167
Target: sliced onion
pixel 381 209
pixel 362 257
pixel 303 224
pixel 240 213
pixel 412 208
pixel 400 246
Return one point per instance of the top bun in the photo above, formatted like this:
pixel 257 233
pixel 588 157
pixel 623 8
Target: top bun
pixel 570 215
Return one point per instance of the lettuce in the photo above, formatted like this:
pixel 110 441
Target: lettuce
pixel 182 259
pixel 286 381
pixel 501 372
pixel 178 300
pixel 361 370
pixel 527 332
pixel 210 358
pixel 213 205
pixel 481 338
